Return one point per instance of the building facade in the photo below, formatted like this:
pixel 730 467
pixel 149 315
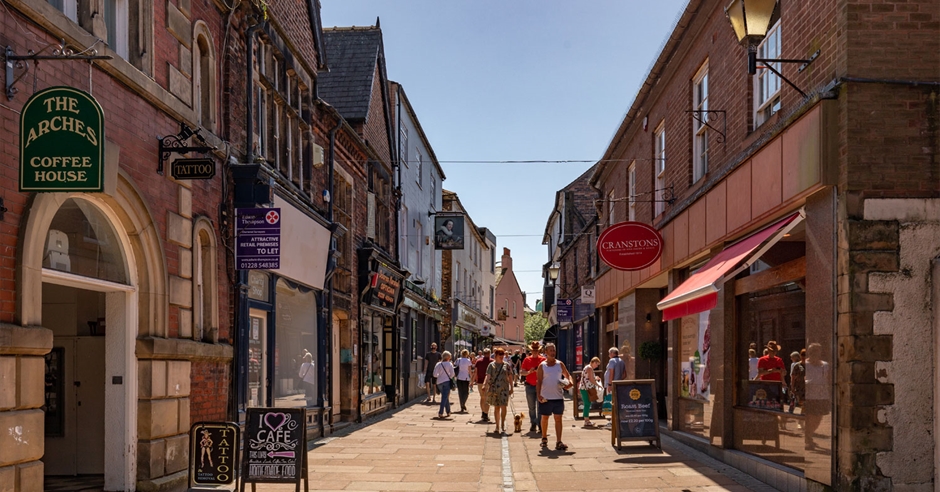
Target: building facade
pixel 116 332
pixel 797 213
pixel 510 303
pixel 419 182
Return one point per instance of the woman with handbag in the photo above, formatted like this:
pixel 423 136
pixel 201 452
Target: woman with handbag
pixel 589 385
pixel 498 384
pixel 444 377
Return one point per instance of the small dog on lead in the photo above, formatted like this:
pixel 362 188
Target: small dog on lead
pixel 517 421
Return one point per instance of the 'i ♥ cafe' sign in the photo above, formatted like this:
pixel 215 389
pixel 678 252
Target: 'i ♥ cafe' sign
pixel 630 246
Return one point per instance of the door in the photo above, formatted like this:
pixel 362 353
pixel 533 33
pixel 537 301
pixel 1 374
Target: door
pixel 77 448
pixel 258 358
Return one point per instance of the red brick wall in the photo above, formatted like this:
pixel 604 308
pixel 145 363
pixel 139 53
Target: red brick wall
pixel 209 380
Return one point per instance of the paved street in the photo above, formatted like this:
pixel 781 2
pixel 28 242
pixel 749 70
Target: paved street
pixel 411 449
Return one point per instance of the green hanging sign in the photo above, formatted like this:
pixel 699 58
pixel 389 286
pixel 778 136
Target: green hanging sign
pixel 61 142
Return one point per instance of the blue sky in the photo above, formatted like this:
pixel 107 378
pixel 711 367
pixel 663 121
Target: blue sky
pixel 499 80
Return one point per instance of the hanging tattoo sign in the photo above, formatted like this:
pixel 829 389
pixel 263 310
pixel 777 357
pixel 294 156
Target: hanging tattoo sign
pixel 213 453
pixel 275 449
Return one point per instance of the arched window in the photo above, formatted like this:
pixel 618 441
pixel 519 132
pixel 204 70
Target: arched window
pixel 205 283
pixel 204 86
pixel 82 241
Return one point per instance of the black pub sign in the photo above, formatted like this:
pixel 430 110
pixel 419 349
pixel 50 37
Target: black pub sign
pixel 385 286
pixel 193 169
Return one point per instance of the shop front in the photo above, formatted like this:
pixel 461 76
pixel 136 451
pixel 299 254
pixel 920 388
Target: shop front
pixel 420 317
pixel 287 332
pixel 468 330
pixel 753 326
pixel 380 339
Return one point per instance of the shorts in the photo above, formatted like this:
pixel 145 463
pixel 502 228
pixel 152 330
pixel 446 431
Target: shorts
pixel 552 407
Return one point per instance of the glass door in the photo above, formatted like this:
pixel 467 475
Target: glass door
pixel 257 358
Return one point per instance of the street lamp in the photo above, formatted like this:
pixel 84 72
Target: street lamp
pixel 750 20
pixel 553 272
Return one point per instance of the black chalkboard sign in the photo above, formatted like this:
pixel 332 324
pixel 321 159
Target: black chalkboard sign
pixel 213 453
pixel 635 416
pixel 275 449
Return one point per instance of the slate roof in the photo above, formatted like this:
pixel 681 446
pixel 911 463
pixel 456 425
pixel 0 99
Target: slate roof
pixel 353 53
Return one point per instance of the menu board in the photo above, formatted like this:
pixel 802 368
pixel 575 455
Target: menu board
pixel 213 453
pixel 635 416
pixel 275 445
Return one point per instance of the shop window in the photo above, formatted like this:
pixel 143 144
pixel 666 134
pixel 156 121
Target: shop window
pixel 699 128
pixel 372 355
pixel 659 164
pixel 82 241
pixel 767 83
pixel 205 283
pixel 204 79
pixel 295 337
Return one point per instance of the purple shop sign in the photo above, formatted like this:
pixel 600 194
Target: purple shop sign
pixel 257 238
pixel 565 310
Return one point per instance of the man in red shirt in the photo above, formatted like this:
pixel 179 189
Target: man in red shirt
pixel 770 367
pixel 530 369
pixel 479 368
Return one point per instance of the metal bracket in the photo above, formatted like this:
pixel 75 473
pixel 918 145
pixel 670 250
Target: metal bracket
pixel 174 144
pixel 768 64
pixel 3 209
pixel 15 62
pixel 706 116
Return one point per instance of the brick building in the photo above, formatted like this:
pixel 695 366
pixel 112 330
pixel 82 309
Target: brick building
pixel 510 303
pixel 569 236
pixel 115 308
pixel 805 216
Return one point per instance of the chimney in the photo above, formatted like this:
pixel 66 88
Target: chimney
pixel 506 260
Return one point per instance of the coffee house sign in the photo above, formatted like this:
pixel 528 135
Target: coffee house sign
pixel 61 142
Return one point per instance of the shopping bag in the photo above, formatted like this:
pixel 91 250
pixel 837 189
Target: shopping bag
pixel 421 380
pixel 608 406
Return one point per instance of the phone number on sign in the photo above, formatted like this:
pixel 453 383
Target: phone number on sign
pixel 259 265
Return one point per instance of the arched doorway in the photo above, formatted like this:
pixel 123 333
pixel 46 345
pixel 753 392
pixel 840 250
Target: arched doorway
pixel 79 279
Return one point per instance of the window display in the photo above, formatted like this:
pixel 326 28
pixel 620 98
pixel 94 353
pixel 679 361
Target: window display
pixel 296 346
pixel 372 347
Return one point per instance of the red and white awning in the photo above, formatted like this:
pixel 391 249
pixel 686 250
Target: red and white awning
pixel 700 291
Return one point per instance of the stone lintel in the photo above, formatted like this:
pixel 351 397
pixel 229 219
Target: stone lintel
pixel 182 349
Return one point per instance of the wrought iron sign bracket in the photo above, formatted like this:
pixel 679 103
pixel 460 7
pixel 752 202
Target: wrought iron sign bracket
pixel 16 62
pixel 768 64
pixel 175 144
pixel 707 117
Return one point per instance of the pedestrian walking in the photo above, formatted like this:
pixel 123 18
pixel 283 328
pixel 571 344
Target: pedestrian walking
pixel 616 370
pixel 516 359
pixel 553 379
pixel 444 376
pixel 529 371
pixel 589 381
pixel 464 375
pixel 498 384
pixel 480 372
pixel 430 361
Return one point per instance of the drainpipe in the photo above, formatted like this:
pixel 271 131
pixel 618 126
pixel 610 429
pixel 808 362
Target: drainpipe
pixel 241 357
pixel 327 335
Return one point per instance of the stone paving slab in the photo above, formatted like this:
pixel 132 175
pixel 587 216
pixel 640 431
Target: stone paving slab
pixel 411 449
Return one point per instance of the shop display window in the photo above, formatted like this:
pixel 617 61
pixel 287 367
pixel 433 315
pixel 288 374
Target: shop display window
pixel 696 399
pixel 372 356
pixel 296 336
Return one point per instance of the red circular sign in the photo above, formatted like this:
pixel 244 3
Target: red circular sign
pixel 630 246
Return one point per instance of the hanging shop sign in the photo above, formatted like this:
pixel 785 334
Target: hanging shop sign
pixel 275 449
pixel 61 142
pixel 257 238
pixel 588 294
pixel 448 231
pixel 193 169
pixel 213 453
pixel 385 287
pixel 630 246
pixel 565 310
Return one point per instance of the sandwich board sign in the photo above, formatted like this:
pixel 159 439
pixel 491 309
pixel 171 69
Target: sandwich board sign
pixel 635 416
pixel 275 449
pixel 213 454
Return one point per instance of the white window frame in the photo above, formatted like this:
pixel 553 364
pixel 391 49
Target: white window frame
pixel 766 83
pixel 659 164
pixel 121 29
pixel 699 128
pixel 610 208
pixel 631 190
pixel 420 168
pixel 403 145
pixel 69 8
